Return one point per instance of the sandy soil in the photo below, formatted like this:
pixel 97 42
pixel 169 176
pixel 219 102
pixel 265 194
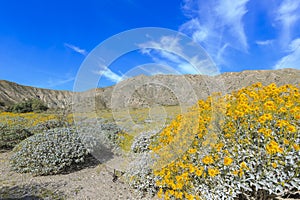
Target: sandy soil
pixel 91 183
pixel 94 182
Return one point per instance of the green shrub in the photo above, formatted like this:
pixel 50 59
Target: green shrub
pixel 51 152
pixel 11 136
pixel 31 105
pixel 38 105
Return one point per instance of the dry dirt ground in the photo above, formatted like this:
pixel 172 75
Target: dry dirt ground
pixel 91 183
pixel 94 182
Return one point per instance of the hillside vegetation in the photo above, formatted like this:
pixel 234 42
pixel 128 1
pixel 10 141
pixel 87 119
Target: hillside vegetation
pixel 243 143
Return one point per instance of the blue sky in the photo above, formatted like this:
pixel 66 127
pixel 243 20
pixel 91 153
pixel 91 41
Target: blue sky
pixel 43 43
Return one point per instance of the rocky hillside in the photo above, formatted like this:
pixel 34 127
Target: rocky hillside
pixel 11 93
pixel 144 91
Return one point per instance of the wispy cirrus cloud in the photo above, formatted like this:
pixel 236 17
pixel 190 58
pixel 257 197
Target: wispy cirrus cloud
pixel 237 34
pixel 167 43
pixel 288 13
pixel 107 73
pixel 264 42
pixel 231 13
pixel 76 49
pixel 288 16
pixel 217 25
pixel 169 50
pixel 292 60
pixel 57 82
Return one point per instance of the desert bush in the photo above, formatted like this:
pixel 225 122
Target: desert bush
pixel 95 134
pixel 51 152
pixel 10 136
pixel 32 191
pixel 47 125
pixel 140 175
pixel 111 131
pixel 31 105
pixel 241 145
pixel 142 142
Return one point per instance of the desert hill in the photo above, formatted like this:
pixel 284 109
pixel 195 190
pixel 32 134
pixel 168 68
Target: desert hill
pixel 144 91
pixel 11 93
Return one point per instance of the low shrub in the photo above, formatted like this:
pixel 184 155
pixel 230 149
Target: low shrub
pixel 140 175
pixel 33 191
pixel 31 105
pixel 10 136
pixel 51 152
pixel 142 142
pixel 47 125
pixel 244 145
pixel 94 134
pixel 2 104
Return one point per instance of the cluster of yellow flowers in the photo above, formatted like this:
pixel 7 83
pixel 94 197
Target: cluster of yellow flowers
pixel 226 136
pixel 29 119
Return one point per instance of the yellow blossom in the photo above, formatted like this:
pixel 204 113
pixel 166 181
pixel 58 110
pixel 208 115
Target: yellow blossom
pixel 244 166
pixel 296 147
pixel 291 128
pixel 192 151
pixel 208 160
pixel 235 172
pixel 285 141
pixel 227 161
pixel 273 148
pixel 213 172
pixel 199 171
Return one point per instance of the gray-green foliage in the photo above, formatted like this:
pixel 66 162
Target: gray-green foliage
pixel 10 136
pixel 47 125
pixel 51 152
pixel 32 191
pixel 111 131
pixel 95 134
pixel 140 175
pixel 142 142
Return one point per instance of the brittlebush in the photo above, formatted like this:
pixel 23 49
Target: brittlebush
pixel 233 145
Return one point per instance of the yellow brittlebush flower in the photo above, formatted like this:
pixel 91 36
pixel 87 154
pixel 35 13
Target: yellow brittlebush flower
pixel 208 160
pixel 213 172
pixel 227 161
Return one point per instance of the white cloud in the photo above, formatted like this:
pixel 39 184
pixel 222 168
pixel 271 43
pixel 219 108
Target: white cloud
pixel 56 82
pixel 76 49
pixel 107 73
pixel 169 51
pixel 292 60
pixel 294 45
pixel 217 25
pixel 288 14
pixel 231 13
pixel 264 42
pixel 112 76
pixel 221 53
pixel 160 51
pixel 167 43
